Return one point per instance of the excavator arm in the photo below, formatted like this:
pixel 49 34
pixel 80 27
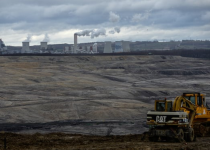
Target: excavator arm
pixel 181 103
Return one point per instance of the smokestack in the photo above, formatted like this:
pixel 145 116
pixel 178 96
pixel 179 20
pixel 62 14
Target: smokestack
pixel 25 48
pixel 75 42
pixel 43 45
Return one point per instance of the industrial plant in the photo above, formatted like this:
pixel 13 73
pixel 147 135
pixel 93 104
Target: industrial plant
pixel 107 47
pixel 76 48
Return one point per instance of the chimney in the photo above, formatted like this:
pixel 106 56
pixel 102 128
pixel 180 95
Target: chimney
pixel 75 42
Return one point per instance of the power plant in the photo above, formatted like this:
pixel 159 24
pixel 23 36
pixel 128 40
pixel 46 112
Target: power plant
pixel 82 48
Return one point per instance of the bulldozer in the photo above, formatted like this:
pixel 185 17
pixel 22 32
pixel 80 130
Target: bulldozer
pixel 183 119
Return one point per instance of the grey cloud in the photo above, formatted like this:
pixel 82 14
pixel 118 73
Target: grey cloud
pixel 206 16
pixel 117 29
pixel 111 32
pixel 140 17
pixel 52 16
pixel 56 11
pixel 113 17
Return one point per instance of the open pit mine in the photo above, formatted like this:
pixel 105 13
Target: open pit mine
pixel 93 102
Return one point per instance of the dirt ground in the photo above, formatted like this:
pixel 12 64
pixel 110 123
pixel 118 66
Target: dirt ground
pixel 92 95
pixel 61 141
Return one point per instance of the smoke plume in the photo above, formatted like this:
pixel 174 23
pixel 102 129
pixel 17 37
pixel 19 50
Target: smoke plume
pixel 93 33
pixel 46 38
pixel 98 32
pixel 84 33
pixel 113 17
pixel 28 39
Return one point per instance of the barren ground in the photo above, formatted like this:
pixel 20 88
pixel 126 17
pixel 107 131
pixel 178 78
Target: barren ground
pixel 60 141
pixel 92 95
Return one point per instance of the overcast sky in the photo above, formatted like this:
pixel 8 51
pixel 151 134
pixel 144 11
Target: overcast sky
pixel 107 20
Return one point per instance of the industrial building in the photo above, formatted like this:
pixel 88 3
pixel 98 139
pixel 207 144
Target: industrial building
pixel 85 48
pixel 25 48
pixel 43 45
pixel 2 46
pixel 120 47
pixel 126 46
pixel 108 47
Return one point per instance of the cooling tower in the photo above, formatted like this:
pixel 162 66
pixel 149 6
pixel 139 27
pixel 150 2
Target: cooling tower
pixel 126 46
pixel 75 43
pixel 108 47
pixel 43 45
pixel 25 48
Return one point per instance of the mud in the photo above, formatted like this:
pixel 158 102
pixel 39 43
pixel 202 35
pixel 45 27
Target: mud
pixel 61 141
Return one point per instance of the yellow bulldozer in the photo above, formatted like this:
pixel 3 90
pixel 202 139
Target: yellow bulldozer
pixel 183 119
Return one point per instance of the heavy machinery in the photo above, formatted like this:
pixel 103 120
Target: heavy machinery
pixel 183 119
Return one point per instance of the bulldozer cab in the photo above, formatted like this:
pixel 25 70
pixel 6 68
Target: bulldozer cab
pixel 163 105
pixel 196 98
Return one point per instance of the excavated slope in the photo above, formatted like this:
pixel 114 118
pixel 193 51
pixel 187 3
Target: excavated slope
pixel 94 88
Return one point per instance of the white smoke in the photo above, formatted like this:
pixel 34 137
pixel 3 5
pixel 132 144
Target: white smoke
pixel 113 17
pixel 84 33
pixel 98 32
pixel 46 38
pixel 93 33
pixel 28 39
